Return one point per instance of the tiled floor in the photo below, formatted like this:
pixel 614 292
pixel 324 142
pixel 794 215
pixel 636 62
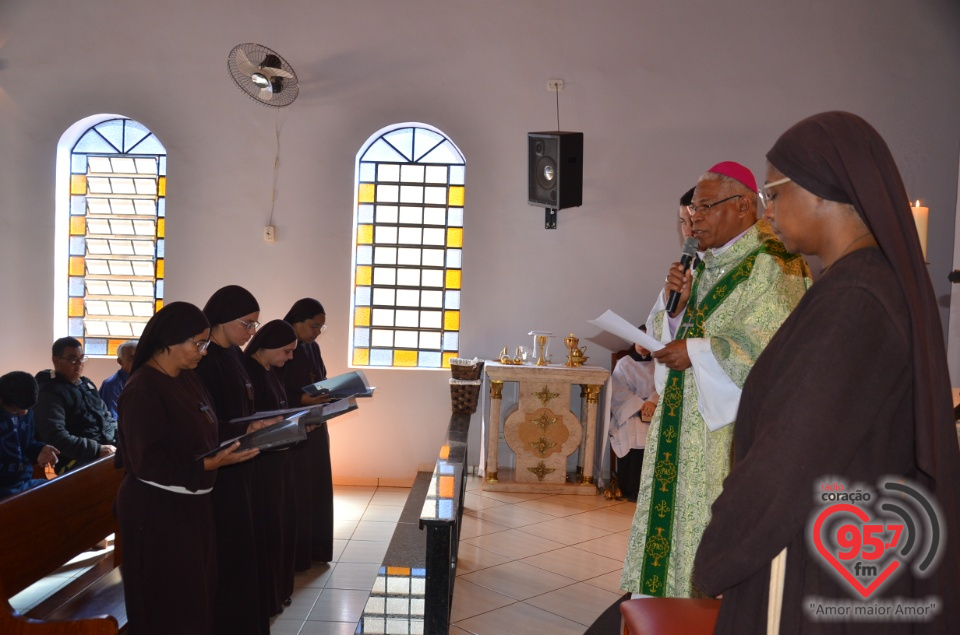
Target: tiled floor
pixel 529 563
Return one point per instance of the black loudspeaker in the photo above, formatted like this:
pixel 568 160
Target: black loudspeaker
pixel 555 169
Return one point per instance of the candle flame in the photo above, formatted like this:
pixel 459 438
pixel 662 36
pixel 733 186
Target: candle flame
pixel 917 203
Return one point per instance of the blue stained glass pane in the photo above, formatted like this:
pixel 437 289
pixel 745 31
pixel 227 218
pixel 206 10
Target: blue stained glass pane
pixel 364 255
pixel 161 246
pixel 159 290
pixel 362 296
pixel 162 167
pixel 75 287
pixel 402 140
pixel 451 341
pixel 445 508
pixel 445 469
pixel 418 573
pixel 429 360
pixel 365 214
pixel 78 205
pixel 78 246
pixel 379 150
pixel 452 300
pixel 112 131
pixel 93 143
pixel 361 337
pixel 95 346
pixel 455 217
pixel 444 153
pixel 454 258
pixel 133 134
pixel 381 357
pixel 78 164
pixel 456 174
pixel 161 207
pixel 150 145
pixel 425 141
pixel 75 327
pixel 368 171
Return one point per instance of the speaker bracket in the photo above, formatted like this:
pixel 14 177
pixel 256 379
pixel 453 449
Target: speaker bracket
pixel 549 218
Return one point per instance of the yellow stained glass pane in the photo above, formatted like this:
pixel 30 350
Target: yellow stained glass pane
pixel 398 570
pixel 78 184
pixel 361 316
pixel 444 452
pixel 454 237
pixel 159 305
pixel 162 186
pixel 455 196
pixel 161 227
pixel 405 358
pixel 75 307
pixel 448 356
pixel 159 268
pixel 451 320
pixel 76 266
pixel 78 225
pixel 361 357
pixel 453 278
pixel 365 235
pixel 364 275
pixel 446 487
pixel 113 345
pixel 366 193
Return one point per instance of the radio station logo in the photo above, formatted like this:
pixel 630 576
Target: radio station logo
pixel 868 538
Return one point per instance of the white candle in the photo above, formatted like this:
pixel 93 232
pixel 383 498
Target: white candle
pixel 920 217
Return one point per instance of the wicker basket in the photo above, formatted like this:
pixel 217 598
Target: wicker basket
pixel 461 368
pixel 464 394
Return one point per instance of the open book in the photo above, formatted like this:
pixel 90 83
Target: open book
pixel 288 431
pixel 326 411
pixel 352 384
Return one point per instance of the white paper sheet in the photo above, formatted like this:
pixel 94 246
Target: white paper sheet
pixel 613 323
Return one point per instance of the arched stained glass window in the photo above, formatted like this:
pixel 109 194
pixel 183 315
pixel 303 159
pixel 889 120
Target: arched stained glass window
pixel 110 232
pixel 408 239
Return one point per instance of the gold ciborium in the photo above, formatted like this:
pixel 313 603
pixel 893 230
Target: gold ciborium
pixel 576 357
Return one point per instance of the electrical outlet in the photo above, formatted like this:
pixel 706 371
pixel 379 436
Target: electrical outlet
pixel 555 85
pixel 270 233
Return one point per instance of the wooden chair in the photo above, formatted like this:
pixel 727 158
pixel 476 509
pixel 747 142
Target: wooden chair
pixel 667 616
pixel 613 487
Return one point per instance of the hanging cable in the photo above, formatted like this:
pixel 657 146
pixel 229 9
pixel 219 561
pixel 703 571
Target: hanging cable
pixel 557 91
pixel 276 170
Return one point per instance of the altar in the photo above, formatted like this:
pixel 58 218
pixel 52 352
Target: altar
pixel 541 429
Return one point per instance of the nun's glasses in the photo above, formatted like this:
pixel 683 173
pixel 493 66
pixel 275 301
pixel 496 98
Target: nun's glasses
pixel 766 199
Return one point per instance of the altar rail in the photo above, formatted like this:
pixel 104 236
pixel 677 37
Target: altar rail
pixel 414 587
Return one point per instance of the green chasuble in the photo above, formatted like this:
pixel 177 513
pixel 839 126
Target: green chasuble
pixel 738 300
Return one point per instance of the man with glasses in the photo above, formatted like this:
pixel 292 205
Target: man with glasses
pixel 730 306
pixel 70 414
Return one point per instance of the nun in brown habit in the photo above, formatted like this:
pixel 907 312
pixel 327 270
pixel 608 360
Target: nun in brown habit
pixel 164 503
pixel 312 459
pixel 853 386
pixel 274 489
pixel 240 607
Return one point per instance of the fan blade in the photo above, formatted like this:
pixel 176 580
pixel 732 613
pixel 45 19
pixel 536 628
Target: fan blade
pixel 275 72
pixel 265 94
pixel 243 63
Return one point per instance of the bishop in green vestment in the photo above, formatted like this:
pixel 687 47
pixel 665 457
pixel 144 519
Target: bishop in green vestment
pixel 730 307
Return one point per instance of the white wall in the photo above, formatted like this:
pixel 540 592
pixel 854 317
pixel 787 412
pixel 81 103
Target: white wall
pixel 661 91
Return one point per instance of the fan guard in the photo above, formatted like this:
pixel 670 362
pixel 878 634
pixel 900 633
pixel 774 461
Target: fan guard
pixel 263 75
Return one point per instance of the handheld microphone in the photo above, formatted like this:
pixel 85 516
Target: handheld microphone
pixel 686 257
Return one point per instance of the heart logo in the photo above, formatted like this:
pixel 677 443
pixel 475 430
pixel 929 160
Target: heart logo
pixel 825 551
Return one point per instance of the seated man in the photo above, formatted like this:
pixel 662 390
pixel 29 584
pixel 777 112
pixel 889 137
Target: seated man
pixel 633 399
pixel 70 415
pixel 19 448
pixel 112 385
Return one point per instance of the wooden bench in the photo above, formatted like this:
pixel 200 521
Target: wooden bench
pixel 44 528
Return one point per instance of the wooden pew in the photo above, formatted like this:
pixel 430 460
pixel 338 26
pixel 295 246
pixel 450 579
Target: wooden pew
pixel 44 528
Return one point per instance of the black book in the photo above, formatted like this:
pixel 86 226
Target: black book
pixel 352 384
pixel 324 412
pixel 292 429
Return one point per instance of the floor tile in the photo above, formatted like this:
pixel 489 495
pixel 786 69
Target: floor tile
pixel 471 527
pixel 612 545
pixel 349 575
pixel 556 508
pixel 471 599
pixel 383 513
pixel 473 558
pixel 608 582
pixel 564 531
pixel 517 580
pixel 374 530
pixel 339 605
pixel 364 551
pixel 520 619
pixel 513 544
pixel 343 529
pixel 580 603
pixel 314 577
pixel 574 563
pixel 327 628
pixel 604 519
pixel 513 516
